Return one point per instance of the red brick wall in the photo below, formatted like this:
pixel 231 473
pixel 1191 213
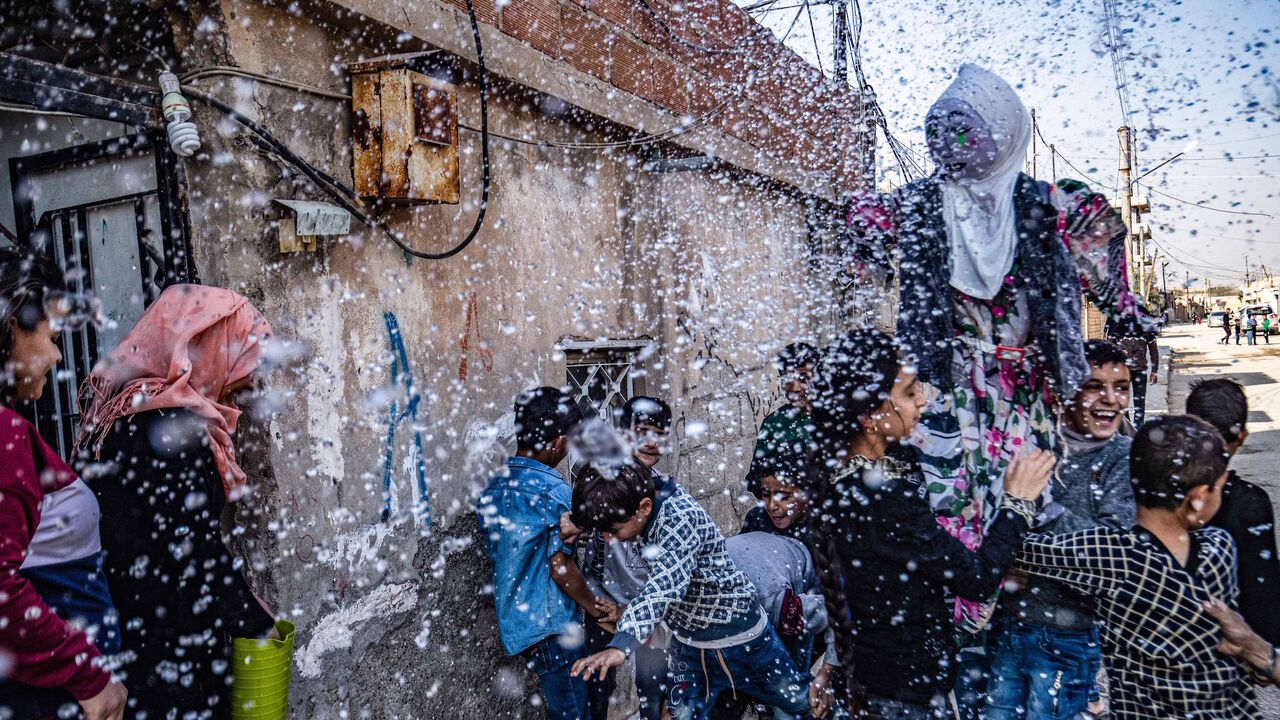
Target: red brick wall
pixel 776 101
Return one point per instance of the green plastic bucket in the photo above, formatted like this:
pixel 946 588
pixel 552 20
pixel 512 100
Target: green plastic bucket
pixel 260 675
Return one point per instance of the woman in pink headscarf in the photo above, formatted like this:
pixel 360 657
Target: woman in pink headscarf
pixel 157 441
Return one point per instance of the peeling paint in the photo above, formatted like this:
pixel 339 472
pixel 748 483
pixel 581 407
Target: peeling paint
pixel 356 547
pixel 325 389
pixel 336 630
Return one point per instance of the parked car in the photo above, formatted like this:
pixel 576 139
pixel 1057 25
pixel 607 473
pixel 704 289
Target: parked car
pixel 1259 312
pixel 1216 317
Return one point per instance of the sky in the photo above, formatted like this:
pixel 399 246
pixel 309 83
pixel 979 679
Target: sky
pixel 1203 71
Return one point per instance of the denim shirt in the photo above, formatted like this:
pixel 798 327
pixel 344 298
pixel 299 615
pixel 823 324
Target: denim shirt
pixel 520 513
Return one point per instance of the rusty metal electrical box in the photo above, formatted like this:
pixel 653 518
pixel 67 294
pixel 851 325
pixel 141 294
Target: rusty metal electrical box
pixel 405 133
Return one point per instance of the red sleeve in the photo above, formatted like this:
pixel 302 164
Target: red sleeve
pixel 46 652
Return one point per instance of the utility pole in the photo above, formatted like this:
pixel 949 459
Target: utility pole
pixel 1126 209
pixel 1033 144
pixel 866 98
pixel 840 45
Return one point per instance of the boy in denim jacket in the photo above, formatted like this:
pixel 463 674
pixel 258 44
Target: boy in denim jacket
pixel 535 580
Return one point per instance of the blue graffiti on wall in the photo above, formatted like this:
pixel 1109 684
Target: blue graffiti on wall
pixel 402 375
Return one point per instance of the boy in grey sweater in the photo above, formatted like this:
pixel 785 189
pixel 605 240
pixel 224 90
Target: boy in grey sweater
pixel 1046 653
pixel 787 588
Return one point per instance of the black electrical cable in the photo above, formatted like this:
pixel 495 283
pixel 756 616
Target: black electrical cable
pixel 340 192
pixel 343 194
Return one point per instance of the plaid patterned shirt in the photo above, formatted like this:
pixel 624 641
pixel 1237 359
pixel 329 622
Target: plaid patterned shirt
pixel 1161 647
pixel 693 584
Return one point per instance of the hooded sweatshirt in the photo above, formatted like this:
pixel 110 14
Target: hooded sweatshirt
pixel 1091 486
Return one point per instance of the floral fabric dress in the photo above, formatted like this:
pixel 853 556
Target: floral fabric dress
pixel 1002 397
pixel 1000 404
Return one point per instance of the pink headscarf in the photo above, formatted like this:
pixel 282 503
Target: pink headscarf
pixel 188 347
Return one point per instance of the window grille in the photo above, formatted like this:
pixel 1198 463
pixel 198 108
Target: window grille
pixel 602 375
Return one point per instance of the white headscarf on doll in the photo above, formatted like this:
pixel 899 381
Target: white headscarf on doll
pixel 979 213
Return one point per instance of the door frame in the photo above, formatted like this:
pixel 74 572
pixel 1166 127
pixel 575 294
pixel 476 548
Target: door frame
pixel 44 86
pixel 175 235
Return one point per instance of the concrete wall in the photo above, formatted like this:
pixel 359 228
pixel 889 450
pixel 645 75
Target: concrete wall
pixel 714 265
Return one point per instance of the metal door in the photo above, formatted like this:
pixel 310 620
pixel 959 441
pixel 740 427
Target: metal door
pixel 105 212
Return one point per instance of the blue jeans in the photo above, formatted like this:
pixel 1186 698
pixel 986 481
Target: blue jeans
pixel 564 695
pixel 761 668
pixel 973 673
pixel 1042 673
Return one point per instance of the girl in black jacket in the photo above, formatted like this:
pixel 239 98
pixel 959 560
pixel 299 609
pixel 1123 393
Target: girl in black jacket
pixel 887 567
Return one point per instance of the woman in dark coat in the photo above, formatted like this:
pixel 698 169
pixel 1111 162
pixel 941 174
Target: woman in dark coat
pixel 159 434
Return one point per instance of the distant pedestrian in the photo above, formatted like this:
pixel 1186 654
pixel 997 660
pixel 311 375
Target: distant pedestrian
pixel 1226 329
pixel 1266 330
pixel 1252 325
pixel 1239 322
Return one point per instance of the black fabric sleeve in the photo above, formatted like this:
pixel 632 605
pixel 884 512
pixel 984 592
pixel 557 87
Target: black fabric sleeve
pixel 183 498
pixel 754 521
pixel 913 537
pixel 1259 568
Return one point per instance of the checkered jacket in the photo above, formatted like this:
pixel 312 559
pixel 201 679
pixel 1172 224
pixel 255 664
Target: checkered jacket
pixel 1160 644
pixel 692 584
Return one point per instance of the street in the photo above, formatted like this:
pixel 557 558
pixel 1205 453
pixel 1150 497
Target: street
pixel 1197 355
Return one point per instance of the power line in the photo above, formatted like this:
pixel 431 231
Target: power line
pixel 640 139
pixel 817 54
pixel 1240 140
pixel 1207 207
pixel 1058 153
pixel 344 195
pixel 1229 158
pixel 1160 243
pixel 1223 158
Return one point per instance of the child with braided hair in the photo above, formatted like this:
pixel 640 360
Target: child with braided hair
pixel 885 564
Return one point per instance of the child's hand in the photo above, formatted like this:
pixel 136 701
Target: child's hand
pixel 568 531
pixel 1239 640
pixel 607 611
pixel 1028 475
pixel 599 664
pixel 821 695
